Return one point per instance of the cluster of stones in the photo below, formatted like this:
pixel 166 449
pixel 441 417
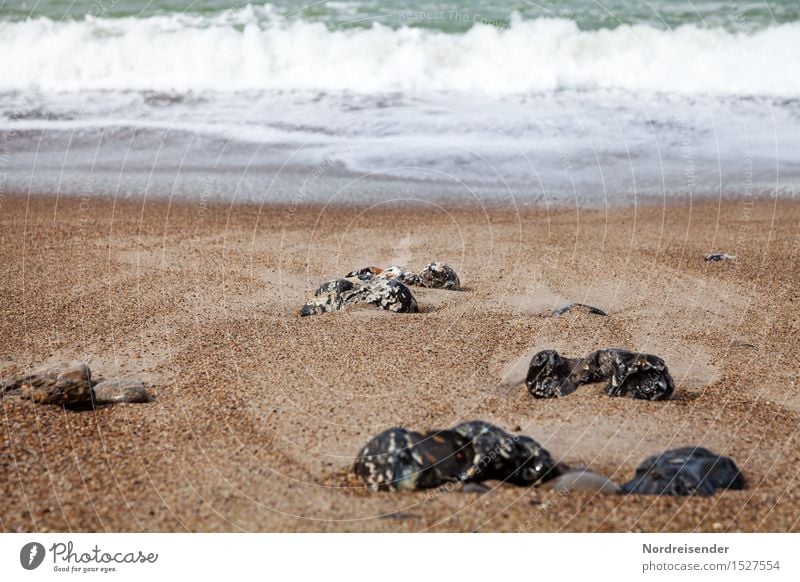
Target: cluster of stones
pixel 71 385
pixel 632 374
pixel 402 460
pixel 385 288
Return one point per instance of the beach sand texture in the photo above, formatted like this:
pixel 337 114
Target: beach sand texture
pixel 258 413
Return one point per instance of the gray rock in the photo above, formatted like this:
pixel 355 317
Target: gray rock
pixel 716 257
pixel 120 390
pixel 583 480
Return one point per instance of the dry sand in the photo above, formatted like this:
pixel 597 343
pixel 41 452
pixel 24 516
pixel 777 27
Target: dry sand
pixel 259 413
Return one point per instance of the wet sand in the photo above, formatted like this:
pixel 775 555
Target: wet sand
pixel 258 413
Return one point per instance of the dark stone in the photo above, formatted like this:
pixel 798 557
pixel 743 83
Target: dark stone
pixel 632 374
pixel 391 295
pixel 551 376
pixel 716 257
pixel 337 285
pixel 685 471
pixel 578 307
pixel 403 460
pixel 641 376
pixel 438 276
pixel 497 454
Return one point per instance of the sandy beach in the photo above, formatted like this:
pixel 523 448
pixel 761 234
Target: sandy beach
pixel 258 413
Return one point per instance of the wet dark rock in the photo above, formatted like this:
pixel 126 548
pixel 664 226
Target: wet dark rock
pixel 641 376
pixel 685 471
pixel 508 457
pixel 63 384
pixel 438 276
pixel 386 288
pixel 551 376
pixel 716 257
pixel 578 307
pixel 403 460
pixel 120 390
pixel 391 295
pixel 633 374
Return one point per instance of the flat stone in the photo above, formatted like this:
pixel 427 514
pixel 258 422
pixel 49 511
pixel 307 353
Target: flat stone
pixel 119 390
pixel 685 471
pixel 62 384
pixel 583 480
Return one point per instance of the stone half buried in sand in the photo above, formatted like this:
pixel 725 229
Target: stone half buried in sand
pixel 496 454
pixel 63 384
pixel 717 257
pixel 551 376
pixel 340 293
pixel 632 374
pixel 70 385
pixel 119 390
pixel 402 460
pixel 685 471
pixel 436 275
pixel 578 307
pixel 641 376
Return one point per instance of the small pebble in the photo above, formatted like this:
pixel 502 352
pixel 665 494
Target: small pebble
pixel 120 390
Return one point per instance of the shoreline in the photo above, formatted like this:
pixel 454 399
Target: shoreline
pixel 258 413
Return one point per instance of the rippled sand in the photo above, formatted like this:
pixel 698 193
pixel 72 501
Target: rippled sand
pixel 258 413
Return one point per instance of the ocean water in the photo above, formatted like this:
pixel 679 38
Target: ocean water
pixel 370 100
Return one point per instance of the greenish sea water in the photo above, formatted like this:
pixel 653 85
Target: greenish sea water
pixel 554 99
pixel 446 15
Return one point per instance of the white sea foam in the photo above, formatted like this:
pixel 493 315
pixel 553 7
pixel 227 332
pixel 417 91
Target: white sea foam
pixel 246 50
